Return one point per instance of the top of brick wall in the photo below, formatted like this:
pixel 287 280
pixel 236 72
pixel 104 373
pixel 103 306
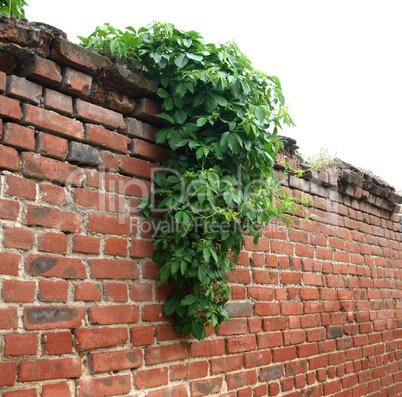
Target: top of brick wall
pixel 25 45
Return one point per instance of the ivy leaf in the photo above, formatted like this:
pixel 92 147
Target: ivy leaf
pixel 168 104
pixel 181 89
pixel 210 104
pixel 220 100
pixel 174 141
pixel 181 61
pixel 198 331
pixel 162 93
pixel 199 100
pixel 180 116
pixel 260 113
pixel 169 306
pixel 188 300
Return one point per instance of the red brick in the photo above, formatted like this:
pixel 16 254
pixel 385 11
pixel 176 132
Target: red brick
pixel 52 194
pixel 56 389
pixel 18 237
pixel 89 112
pixel 148 150
pixel 263 244
pixel 52 317
pixel 53 266
pixel 294 337
pixel 110 224
pixel 8 319
pixel 196 369
pixel 40 70
pixel 10 108
pixel 101 387
pixel 20 344
pixel 138 129
pixel 142 335
pixel 270 339
pixel 226 364
pixel 241 379
pixel 9 263
pixel 45 216
pixel 50 121
pixel 147 110
pixel 331 387
pixel 167 332
pixel 206 387
pixel 88 292
pixel 267 309
pixel 53 291
pixel 309 294
pixel 110 268
pixel 54 170
pixel 9 209
pixel 114 361
pixel 57 343
pixel 18 291
pixel 241 344
pixel 275 323
pixel 151 378
pixel 233 327
pixel 141 292
pixel 136 167
pixel 49 369
pixel 291 308
pixel 303 250
pixel 9 158
pixel 21 393
pixel 51 146
pixel 296 367
pixel 87 339
pixel 59 102
pixel 207 348
pixel 265 276
pixel 110 161
pixel 116 292
pixel 116 246
pixel 86 244
pixel 21 88
pixel 174 391
pixel 127 186
pixel 75 83
pixel 261 293
pixel 3 78
pixel 20 187
pixel 18 136
pixel 257 359
pixel 284 354
pixel 166 353
pixel 101 136
pixel 53 242
pixel 8 372
pixel 99 201
pixel 290 278
pixel 141 248
pixel 113 314
pixel 279 247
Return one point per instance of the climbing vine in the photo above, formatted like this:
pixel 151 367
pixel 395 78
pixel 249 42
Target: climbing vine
pixel 221 119
pixel 13 7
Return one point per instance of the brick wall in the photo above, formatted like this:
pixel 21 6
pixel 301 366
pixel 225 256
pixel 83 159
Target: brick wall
pixel 316 308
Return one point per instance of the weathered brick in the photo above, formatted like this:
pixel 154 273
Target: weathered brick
pixel 92 113
pixel 56 389
pixel 86 244
pixel 88 292
pixel 110 268
pixel 53 242
pixel 21 393
pixel 49 369
pixel 53 291
pixel 20 344
pixel 52 266
pixel 116 246
pixel 18 136
pixel 101 136
pixel 57 101
pixel 99 201
pixel 57 343
pixel 8 318
pixel 9 209
pixel 138 129
pixel 9 263
pixel 75 83
pixel 51 146
pixel 18 291
pixel 40 70
pixel 241 379
pixel 206 387
pixel 52 317
pixel 10 108
pixel 136 167
pixel 114 360
pixel 8 372
pixel 110 224
pixel 100 387
pixel 147 110
pixel 148 150
pixel 20 88
pixel 126 185
pixel 113 314
pixel 51 169
pixel 207 348
pixel 83 154
pixel 87 339
pixel 20 187
pixel 18 237
pixel 142 335
pixel 269 373
pixel 161 354
pixel 9 158
pixel 52 194
pixel 3 79
pixel 116 292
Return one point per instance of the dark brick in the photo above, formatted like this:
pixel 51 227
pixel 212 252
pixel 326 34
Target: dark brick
pixel 82 153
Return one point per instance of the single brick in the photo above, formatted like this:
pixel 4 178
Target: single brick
pixel 20 187
pixel 240 379
pixel 10 108
pixel 20 344
pixel 114 360
pixel 136 167
pixel 50 169
pixel 113 314
pixel 18 136
pixel 52 266
pixel 116 246
pixel 116 292
pixel 206 387
pixel 101 136
pixel 120 103
pixel 67 53
pixel 3 79
pixel 110 386
pixel 88 292
pixel 21 88
pixel 166 353
pixel 87 339
pixel 53 317
pixel 40 70
pixel 9 209
pixel 142 335
pixel 75 83
pixel 53 242
pixel 49 217
pixel 110 224
pixel 86 244
pixel 148 150
pixel 89 112
pixel 141 248
pixel 51 146
pixel 57 343
pixel 53 291
pixel 147 110
pixel 52 194
pixel 49 369
pixel 18 237
pixel 99 201
pixel 9 263
pixel 126 185
pixel 57 101
pixel 113 269
pixel 50 121
pixel 83 154
pixel 8 372
pixel 56 389
pixel 138 129
pixel 9 158
pixel 151 378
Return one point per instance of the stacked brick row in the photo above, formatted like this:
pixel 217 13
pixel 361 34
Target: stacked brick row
pixel 316 307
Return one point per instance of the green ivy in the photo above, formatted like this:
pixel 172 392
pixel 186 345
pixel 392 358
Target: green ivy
pixel 221 120
pixel 13 7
